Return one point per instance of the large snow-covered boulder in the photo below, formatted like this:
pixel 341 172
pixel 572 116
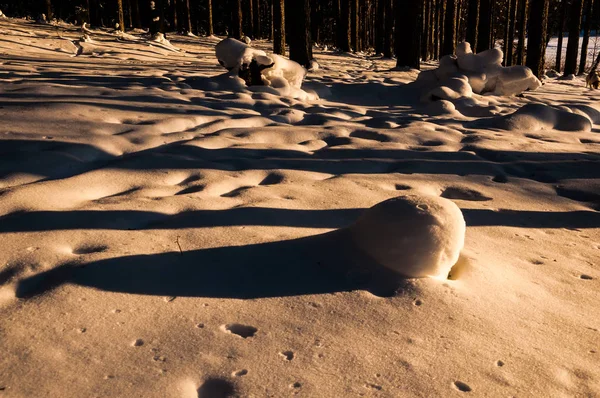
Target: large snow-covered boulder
pixel 232 54
pixel 415 236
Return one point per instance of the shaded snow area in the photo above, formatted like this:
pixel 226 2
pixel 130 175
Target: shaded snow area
pixel 170 231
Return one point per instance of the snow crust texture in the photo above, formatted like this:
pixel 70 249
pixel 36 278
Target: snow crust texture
pixel 415 236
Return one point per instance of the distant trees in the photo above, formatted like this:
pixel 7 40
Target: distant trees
pixel 573 42
pixel 536 39
pixel 236 19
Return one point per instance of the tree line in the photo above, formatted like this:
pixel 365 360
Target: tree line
pixel 411 30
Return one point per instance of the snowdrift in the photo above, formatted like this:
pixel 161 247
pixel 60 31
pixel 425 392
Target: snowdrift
pixel 279 75
pixel 461 75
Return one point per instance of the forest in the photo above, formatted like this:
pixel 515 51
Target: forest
pixel 411 30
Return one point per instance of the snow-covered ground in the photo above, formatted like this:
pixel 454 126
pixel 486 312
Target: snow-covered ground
pixel 551 50
pixel 168 232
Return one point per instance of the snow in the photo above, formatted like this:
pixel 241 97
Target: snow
pixel 147 195
pixel 415 236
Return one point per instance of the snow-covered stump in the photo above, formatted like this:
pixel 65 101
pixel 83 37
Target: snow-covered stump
pixel 414 236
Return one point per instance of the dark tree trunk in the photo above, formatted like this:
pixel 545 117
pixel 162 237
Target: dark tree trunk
pixel 458 22
pixel 279 27
pixel 354 25
pixel 248 18
pixel 129 13
pixel 256 18
pixel 408 32
pixel 431 27
pixel 586 36
pixel 211 28
pixel 344 26
pixel 186 23
pixel 388 47
pixel 49 14
pixel 473 23
pixel 174 13
pixel 425 31
pixel 536 39
pixel 511 32
pixel 439 12
pixel 573 42
pixel 137 20
pixel 522 31
pixel 449 28
pixel 120 15
pixel 236 19
pixel 506 32
pixel 316 21
pixel 561 28
pixel 380 27
pixel 300 42
pixel 484 33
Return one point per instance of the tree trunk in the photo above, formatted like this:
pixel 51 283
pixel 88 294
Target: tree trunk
pixel 536 39
pixel 458 22
pixel 438 28
pixel 316 21
pixel 279 27
pixel 137 20
pixel 211 28
pixel 49 14
pixel 354 25
pixel 256 22
pixel 473 23
pixel 573 42
pixel 484 33
pixel 130 14
pixel 522 31
pixel 449 28
pixel 300 42
pixel 511 32
pixel 586 36
pixel 506 32
pixel 236 19
pixel 380 27
pixel 344 26
pixel 561 28
pixel 120 15
pixel 408 32
pixel 186 23
pixel 249 17
pixel 388 46
pixel 431 27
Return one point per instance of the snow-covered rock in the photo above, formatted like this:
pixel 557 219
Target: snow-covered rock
pixel 415 236
pixel 483 72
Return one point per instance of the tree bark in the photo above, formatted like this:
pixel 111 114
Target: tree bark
pixel 354 25
pixel 449 28
pixel 561 28
pixel 506 32
pixel 380 27
pixel 236 19
pixel 279 27
pixel 573 42
pixel 344 26
pixel 49 14
pixel 586 36
pixel 511 32
pixel 256 16
pixel 536 39
pixel 211 29
pixel 473 23
pixel 388 46
pixel 522 31
pixel 408 32
pixel 300 42
pixel 120 15
pixel 137 20
pixel 484 33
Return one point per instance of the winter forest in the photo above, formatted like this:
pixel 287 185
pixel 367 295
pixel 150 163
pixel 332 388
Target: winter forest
pixel 281 198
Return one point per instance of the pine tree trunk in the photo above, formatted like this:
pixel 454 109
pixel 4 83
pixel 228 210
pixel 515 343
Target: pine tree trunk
pixel 380 27
pixel 473 23
pixel 248 16
pixel 256 22
pixel 449 28
pixel 484 33
pixel 508 56
pixel 236 19
pixel 175 15
pixel 211 28
pixel 573 42
pixel 561 28
pixel 388 47
pixel 431 27
pixel 49 14
pixel 279 27
pixel 458 23
pixel 120 15
pixel 129 12
pixel 586 36
pixel 536 38
pixel 354 25
pixel 506 32
pixel 438 28
pixel 408 32
pixel 522 31
pixel 300 42
pixel 187 16
pixel 137 21
pixel 344 26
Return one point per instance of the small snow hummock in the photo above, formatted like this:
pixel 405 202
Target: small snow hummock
pixel 483 72
pixel 415 236
pixel 277 73
pixel 2 15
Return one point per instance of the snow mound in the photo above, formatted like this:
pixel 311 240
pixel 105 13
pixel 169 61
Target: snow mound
pixel 415 236
pixel 2 15
pixel 232 54
pixel 483 72
pixel 535 117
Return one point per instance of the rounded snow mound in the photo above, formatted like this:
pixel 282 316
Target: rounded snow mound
pixel 415 236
